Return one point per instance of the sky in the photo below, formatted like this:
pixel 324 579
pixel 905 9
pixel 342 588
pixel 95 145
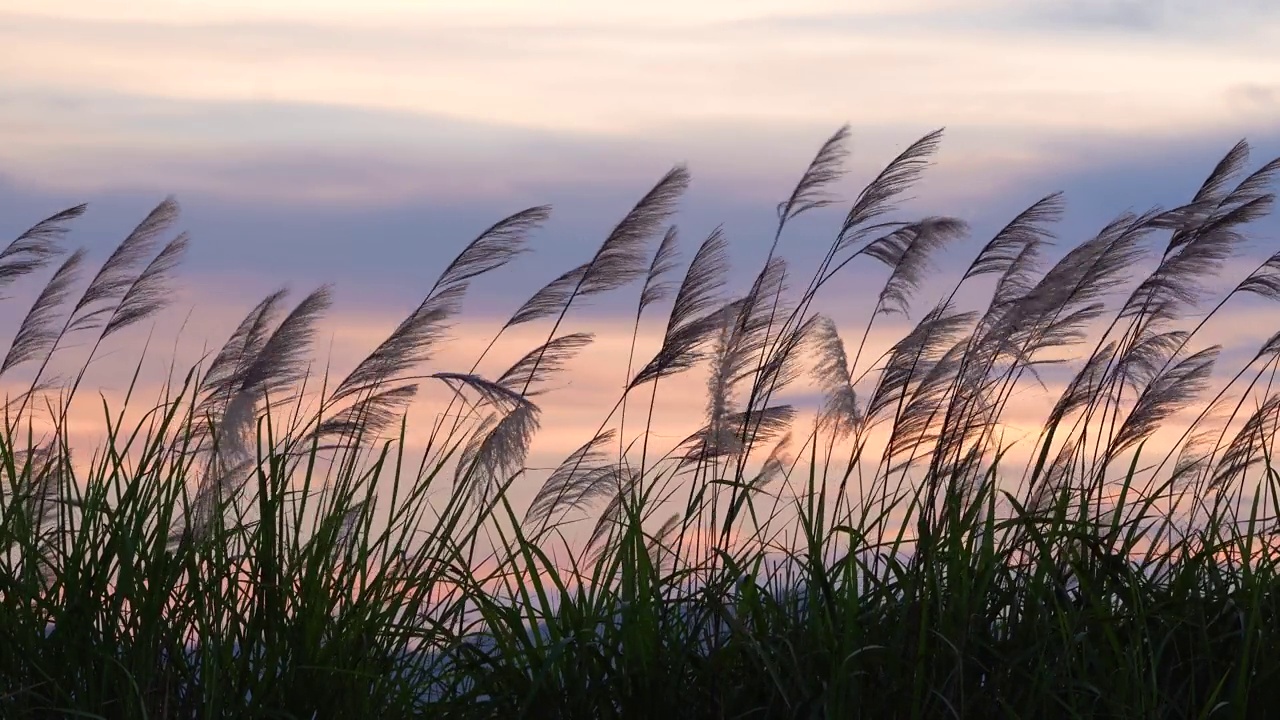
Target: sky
pixel 364 143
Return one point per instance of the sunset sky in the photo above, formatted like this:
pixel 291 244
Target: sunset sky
pixel 364 143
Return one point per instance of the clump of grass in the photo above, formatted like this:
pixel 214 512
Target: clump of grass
pixel 258 542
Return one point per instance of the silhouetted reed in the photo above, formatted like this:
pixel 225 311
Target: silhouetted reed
pixel 849 530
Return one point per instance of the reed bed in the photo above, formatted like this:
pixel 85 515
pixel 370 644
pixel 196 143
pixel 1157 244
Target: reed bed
pixel 261 541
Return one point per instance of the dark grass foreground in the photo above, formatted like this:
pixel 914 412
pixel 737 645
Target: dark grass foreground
pixel 883 557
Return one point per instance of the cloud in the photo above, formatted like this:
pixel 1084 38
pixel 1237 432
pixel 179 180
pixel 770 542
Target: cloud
pixel 482 12
pixel 1253 96
pixel 1171 18
pixel 610 76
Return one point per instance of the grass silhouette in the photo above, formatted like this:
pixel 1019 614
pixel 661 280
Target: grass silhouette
pixel 260 544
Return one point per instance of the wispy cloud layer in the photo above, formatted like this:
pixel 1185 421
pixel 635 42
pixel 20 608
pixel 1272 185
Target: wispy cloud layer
pixel 400 98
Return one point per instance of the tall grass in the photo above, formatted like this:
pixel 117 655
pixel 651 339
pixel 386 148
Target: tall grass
pixel 259 541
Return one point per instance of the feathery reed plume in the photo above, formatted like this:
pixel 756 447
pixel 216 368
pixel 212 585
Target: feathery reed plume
pixel 612 514
pixel 656 286
pixel 283 358
pixel 1096 266
pixel 659 546
pixel 148 293
pixel 1168 392
pixel 496 451
pixel 37 334
pixel 1264 281
pixel 840 412
pixel 1199 255
pixel 495 394
pixel 1211 196
pixel 877 198
pixel 1013 254
pixel 723 435
pixel 585 475
pixel 906 252
pixel 251 365
pixel 1246 449
pixel 539 364
pixel 1001 331
pixel 1195 456
pixel 621 257
pixel 410 344
pixel 1015 282
pixel 910 356
pixel 39 476
pixel 1068 327
pixel 495 247
pixel 351 519
pixel 222 480
pixel 498 446
pixel 782 365
pixel 1228 167
pixel 809 193
pixel 116 276
pixel 1058 308
pixel 1148 355
pixel 1257 184
pixel 35 247
pixel 369 415
pixel 412 341
pixel 922 410
pixel 692 320
pixel 743 336
pixel 101 297
pixel 1201 242
pixel 226 371
pixel 774 466
pixel 1005 252
pixel 1270 348
pixel 1084 385
pixel 551 298
pixel 825 168
pixel 619 260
